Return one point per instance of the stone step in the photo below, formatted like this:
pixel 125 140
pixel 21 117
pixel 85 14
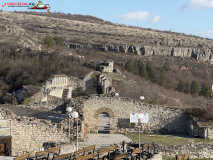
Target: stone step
pixel 65 93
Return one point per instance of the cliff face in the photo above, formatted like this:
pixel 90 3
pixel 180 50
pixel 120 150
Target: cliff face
pixel 203 54
pixel 105 36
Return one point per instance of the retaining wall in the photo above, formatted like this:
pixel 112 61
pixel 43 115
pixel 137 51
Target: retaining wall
pixel 29 134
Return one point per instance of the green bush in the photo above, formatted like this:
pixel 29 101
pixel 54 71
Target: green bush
pixel 143 73
pixel 48 41
pixel 195 87
pixel 37 87
pixel 26 101
pixel 187 87
pixel 181 86
pixel 153 102
pixel 129 66
pixel 78 50
pixel 166 66
pixel 205 90
pixel 162 78
pixel 58 40
pixel 152 74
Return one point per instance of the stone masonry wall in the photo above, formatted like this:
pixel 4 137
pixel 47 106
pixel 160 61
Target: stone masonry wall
pixel 57 92
pixel 29 134
pixel 119 109
pixel 201 150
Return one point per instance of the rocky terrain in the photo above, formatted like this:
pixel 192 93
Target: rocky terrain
pixel 101 35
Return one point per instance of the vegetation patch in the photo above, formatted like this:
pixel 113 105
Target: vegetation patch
pixel 26 101
pixel 165 140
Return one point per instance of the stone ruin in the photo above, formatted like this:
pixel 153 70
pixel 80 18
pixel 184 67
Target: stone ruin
pixel 106 67
pixel 63 86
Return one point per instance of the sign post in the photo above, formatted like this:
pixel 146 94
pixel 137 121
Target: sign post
pixel 139 118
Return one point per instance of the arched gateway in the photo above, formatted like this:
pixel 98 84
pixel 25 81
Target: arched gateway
pixel 103 115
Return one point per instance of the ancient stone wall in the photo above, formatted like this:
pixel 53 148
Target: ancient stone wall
pixel 119 110
pixel 80 86
pixel 29 134
pixel 57 92
pixel 157 156
pixel 62 86
pixel 105 83
pixel 201 128
pixel 200 150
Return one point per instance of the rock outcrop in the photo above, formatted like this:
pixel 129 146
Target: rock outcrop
pixel 204 54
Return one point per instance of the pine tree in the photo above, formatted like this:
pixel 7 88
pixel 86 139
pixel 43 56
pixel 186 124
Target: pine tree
pixel 195 87
pixel 187 87
pixel 152 74
pixel 129 65
pixel 135 67
pixel 205 90
pixel 140 65
pixel 181 86
pixel 144 73
pixel 166 66
pixel 162 78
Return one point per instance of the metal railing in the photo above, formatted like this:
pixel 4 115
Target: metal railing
pixel 7 127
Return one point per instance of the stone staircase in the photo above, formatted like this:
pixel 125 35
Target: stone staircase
pixel 65 93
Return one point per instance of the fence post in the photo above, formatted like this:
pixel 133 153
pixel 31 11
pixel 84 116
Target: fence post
pixel 123 143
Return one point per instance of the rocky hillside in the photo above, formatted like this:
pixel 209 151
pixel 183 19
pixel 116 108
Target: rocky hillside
pixel 90 32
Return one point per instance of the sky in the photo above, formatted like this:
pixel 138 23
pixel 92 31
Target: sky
pixel 186 16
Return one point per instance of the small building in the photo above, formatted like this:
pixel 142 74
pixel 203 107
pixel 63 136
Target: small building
pixel 201 128
pixel 106 67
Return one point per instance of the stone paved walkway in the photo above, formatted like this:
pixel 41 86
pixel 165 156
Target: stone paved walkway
pixel 6 158
pixel 103 140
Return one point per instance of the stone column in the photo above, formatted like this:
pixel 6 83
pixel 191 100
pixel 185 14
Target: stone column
pixel 100 80
pixel 53 81
pixel 97 78
pixel 104 86
pixel 102 83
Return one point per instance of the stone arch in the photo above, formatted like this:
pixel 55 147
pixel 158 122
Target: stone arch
pixel 101 110
pixel 92 74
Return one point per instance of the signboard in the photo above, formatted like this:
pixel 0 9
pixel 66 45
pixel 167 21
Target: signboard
pixel 133 118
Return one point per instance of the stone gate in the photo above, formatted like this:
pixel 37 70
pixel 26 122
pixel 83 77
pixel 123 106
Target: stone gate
pixel 161 118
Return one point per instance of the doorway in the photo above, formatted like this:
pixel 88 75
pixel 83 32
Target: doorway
pixel 103 123
pixel 2 149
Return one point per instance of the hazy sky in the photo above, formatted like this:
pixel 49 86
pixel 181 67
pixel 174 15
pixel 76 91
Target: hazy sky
pixel 186 16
